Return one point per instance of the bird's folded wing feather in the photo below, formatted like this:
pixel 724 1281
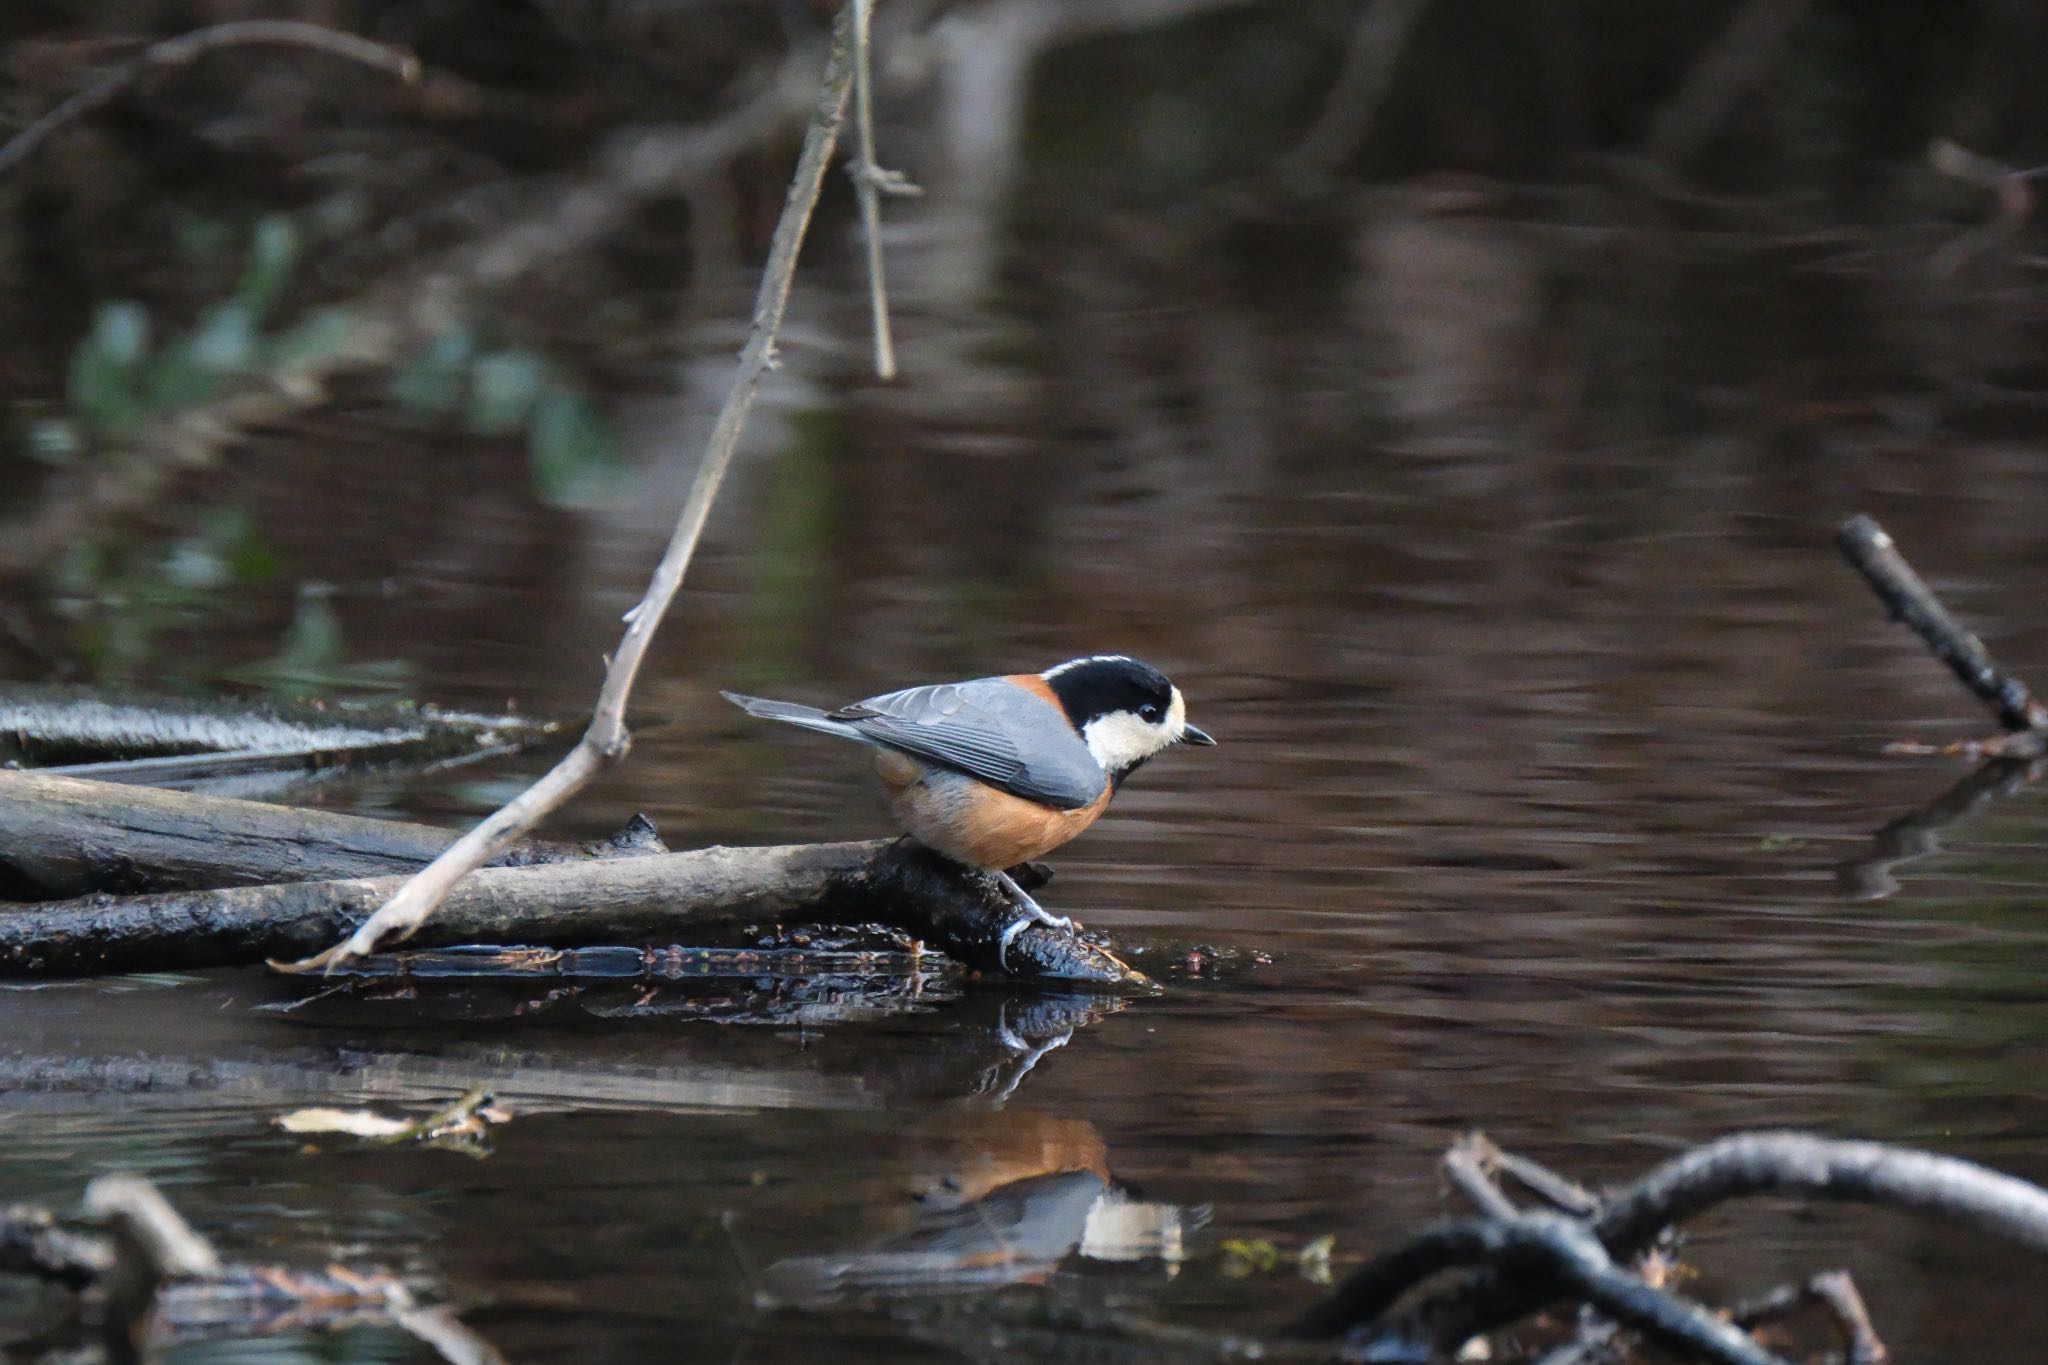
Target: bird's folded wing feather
pixel 982 728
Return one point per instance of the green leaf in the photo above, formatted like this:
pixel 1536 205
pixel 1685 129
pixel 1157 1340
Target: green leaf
pixel 178 380
pixel 273 255
pixel 568 445
pixel 101 382
pixel 54 441
pixel 312 341
pixel 432 383
pixel 225 339
pixel 503 389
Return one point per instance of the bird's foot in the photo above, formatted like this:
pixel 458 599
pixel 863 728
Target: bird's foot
pixel 1033 913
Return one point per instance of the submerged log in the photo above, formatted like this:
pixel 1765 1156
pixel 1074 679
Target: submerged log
pixel 269 883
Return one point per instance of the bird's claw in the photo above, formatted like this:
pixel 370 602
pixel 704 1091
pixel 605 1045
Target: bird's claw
pixel 1031 913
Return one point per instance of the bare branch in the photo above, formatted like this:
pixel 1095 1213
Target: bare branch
pixel 189 47
pixel 1468 1166
pixel 1822 1168
pixel 1521 1265
pixel 1872 553
pixel 606 741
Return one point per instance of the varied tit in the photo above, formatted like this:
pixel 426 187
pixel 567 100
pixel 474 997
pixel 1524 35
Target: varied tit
pixel 997 771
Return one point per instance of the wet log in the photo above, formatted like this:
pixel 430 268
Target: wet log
pixel 68 836
pixel 653 901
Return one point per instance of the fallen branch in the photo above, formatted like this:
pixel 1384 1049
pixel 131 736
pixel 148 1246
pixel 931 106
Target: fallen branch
pixel 1873 554
pixel 1523 1263
pixel 164 742
pixel 187 48
pixel 606 741
pixel 1561 1255
pixel 652 901
pixel 67 836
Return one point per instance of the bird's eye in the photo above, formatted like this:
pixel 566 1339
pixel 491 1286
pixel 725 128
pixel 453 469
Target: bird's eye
pixel 1149 712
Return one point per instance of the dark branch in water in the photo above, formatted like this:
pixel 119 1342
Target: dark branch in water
pixel 1558 1254
pixel 1522 1263
pixel 187 48
pixel 1917 834
pixel 247 866
pixel 1872 553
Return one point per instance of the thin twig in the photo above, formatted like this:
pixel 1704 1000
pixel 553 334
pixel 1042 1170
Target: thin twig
pixel 189 47
pixel 607 740
pixel 1714 90
pixel 1467 1165
pixel 870 181
pixel 133 1205
pixel 1871 552
pixel 1836 1293
pixel 1362 87
pixel 1561 1192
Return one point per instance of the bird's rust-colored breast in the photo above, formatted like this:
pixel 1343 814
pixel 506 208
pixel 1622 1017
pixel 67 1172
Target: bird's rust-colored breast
pixel 1001 830
pixel 972 822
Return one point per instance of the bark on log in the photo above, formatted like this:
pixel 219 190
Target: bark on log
pixel 657 901
pixel 68 836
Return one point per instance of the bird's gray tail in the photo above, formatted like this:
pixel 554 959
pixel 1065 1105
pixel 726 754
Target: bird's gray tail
pixel 792 713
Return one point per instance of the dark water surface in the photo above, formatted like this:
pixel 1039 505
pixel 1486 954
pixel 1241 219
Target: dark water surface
pixel 1495 555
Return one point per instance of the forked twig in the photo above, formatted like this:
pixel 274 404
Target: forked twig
pixel 606 740
pixel 870 182
pixel 189 47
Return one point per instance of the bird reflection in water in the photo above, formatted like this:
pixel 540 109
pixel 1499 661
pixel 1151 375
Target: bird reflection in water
pixel 989 1199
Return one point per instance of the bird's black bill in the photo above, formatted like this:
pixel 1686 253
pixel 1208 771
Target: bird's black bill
pixel 1196 735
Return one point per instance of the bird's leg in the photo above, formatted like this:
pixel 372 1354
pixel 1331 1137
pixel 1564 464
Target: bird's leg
pixel 1034 913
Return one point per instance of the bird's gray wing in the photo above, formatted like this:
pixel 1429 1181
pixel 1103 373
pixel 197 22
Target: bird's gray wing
pixel 989 729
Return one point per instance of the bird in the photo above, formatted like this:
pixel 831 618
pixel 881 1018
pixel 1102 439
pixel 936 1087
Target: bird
pixel 997 771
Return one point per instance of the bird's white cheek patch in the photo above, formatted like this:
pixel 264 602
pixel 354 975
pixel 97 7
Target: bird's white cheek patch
pixel 1117 741
pixel 1177 715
